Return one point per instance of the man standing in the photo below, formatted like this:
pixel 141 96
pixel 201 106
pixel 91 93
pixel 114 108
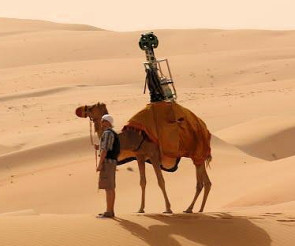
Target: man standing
pixel 109 151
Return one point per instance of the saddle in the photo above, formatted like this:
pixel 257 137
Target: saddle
pixel 177 131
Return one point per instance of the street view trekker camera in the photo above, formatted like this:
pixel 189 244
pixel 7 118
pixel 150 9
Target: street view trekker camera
pixel 158 75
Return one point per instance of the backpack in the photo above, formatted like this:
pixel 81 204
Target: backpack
pixel 114 153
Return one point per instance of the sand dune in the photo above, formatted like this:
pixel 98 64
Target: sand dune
pixel 140 230
pixel 269 138
pixel 9 26
pixel 272 185
pixel 153 229
pixel 71 148
pixel 241 83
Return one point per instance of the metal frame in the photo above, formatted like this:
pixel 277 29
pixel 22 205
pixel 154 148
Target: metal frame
pixel 169 80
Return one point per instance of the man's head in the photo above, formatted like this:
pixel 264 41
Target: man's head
pixel 107 121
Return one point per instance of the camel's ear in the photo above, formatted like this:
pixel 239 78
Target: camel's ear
pixel 104 106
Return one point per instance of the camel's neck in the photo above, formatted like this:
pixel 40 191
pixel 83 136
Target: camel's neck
pixel 97 129
pixel 102 111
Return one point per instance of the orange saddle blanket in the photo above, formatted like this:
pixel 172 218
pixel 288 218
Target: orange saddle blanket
pixel 177 131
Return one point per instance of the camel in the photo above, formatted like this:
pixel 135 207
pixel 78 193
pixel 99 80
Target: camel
pixel 145 149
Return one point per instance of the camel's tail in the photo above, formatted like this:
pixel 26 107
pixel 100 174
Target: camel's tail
pixel 208 160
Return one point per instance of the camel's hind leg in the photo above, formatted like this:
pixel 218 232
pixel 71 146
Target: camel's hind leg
pixel 207 186
pixel 141 166
pixel 202 181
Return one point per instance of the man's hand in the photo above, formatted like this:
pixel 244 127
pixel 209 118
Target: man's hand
pixel 103 155
pixel 98 169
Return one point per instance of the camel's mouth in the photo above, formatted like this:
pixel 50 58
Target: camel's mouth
pixel 81 112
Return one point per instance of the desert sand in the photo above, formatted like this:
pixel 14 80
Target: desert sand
pixel 241 83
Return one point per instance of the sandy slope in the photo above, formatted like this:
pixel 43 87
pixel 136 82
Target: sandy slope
pixel 268 138
pixel 153 229
pixel 240 82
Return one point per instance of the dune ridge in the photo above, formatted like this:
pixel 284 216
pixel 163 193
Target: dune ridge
pixel 11 26
pixel 269 138
pixel 51 152
pixel 38 93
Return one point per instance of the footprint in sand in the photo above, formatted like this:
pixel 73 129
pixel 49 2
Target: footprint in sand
pixel 287 220
pixel 271 214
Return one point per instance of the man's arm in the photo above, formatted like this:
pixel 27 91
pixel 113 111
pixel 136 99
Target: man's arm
pixel 103 155
pixel 106 144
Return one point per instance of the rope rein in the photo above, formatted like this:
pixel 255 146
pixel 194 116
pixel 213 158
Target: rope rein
pixel 92 141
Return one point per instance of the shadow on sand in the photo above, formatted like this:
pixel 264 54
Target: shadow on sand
pixel 211 230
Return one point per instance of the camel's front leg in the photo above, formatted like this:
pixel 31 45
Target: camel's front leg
pixel 141 166
pixel 161 183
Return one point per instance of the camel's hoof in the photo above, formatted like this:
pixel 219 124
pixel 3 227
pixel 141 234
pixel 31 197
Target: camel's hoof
pixel 140 211
pixel 200 211
pixel 188 211
pixel 168 212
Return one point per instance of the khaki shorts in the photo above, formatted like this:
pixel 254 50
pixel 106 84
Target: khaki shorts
pixel 107 175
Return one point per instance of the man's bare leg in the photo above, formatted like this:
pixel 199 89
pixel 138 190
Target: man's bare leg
pixel 110 196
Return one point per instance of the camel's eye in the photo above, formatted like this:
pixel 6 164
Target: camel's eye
pixel 88 109
pixel 91 108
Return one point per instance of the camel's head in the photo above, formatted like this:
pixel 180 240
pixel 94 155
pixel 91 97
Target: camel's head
pixel 94 112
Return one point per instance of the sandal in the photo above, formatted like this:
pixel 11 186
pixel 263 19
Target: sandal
pixel 106 215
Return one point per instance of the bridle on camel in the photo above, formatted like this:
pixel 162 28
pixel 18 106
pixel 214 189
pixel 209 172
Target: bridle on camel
pixel 92 141
pixel 91 121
